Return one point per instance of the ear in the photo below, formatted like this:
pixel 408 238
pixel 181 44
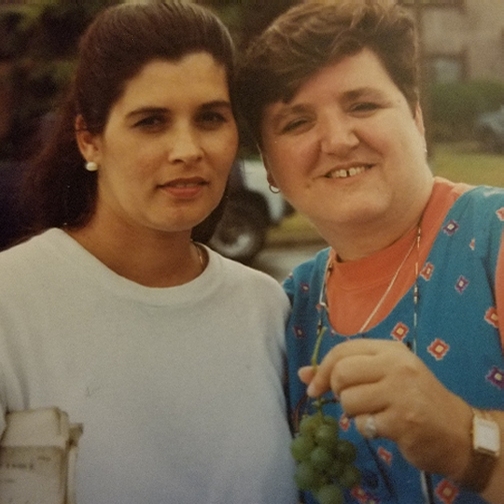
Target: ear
pixel 419 119
pixel 419 122
pixel 269 175
pixel 87 142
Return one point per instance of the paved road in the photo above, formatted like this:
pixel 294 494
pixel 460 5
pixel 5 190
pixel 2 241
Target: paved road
pixel 279 261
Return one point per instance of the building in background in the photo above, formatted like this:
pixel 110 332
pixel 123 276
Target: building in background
pixel 462 39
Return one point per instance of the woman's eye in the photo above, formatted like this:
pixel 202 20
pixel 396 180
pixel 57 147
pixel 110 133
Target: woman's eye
pixel 294 125
pixel 364 107
pixel 151 122
pixel 211 119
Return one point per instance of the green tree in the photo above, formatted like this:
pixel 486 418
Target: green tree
pixel 38 43
pixel 247 18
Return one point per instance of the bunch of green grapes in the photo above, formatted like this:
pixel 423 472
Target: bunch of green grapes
pixel 325 463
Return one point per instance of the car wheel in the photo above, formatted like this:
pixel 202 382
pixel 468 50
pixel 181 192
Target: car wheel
pixel 241 233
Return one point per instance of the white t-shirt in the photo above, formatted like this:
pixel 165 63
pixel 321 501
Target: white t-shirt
pixel 179 389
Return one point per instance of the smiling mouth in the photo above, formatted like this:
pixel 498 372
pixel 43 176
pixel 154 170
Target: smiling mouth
pixel 186 183
pixel 345 173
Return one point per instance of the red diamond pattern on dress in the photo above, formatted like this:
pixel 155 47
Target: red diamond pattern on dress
pixel 385 455
pixel 400 331
pixel 496 377
pixel 472 244
pixel 298 332
pixel 500 213
pixel 446 492
pixel 344 422
pixel 491 317
pixel 427 271
pixel 451 228
pixel 438 349
pixel 360 495
pixel 461 284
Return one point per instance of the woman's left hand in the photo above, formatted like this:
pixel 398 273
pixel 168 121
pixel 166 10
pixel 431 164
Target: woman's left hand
pixel 430 424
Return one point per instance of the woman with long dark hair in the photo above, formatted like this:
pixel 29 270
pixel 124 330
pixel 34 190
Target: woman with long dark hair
pixel 170 355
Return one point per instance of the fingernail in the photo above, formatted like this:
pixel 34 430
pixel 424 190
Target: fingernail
pixel 310 390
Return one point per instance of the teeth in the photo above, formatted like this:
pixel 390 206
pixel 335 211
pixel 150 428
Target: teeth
pixel 182 184
pixel 346 173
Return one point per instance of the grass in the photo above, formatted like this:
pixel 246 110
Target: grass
pixel 463 162
pixel 460 162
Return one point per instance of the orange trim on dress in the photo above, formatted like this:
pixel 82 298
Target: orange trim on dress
pixel 357 286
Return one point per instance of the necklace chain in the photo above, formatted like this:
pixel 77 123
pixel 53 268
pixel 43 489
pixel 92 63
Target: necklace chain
pixel 323 291
pixel 392 282
pixel 199 250
pixel 425 478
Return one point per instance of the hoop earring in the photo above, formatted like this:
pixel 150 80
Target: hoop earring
pixel 91 166
pixel 274 189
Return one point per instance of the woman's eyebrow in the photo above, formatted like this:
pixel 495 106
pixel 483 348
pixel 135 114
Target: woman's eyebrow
pixel 146 110
pixel 216 104
pixel 163 110
pixel 354 94
pixel 287 110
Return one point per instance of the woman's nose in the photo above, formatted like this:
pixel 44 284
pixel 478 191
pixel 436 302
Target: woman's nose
pixel 337 134
pixel 185 145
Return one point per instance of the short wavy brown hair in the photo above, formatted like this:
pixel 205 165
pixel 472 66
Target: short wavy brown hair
pixel 314 34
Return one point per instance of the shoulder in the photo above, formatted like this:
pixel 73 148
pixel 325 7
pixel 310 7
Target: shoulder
pixel 306 279
pixel 35 260
pixel 484 195
pixel 23 253
pixel 241 277
pixel 476 219
pixel 482 205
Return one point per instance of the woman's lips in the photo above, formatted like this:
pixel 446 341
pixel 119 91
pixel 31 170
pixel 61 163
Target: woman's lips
pixel 347 172
pixel 185 187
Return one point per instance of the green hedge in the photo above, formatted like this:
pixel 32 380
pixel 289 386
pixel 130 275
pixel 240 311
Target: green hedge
pixel 454 106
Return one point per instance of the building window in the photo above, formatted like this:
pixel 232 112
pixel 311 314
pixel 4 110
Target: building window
pixel 434 3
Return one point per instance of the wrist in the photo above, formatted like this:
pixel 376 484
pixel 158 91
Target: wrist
pixel 484 454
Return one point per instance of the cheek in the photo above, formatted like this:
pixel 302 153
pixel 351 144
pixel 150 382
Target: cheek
pixel 400 134
pixel 223 151
pixel 129 170
pixel 144 159
pixel 122 158
pixel 289 158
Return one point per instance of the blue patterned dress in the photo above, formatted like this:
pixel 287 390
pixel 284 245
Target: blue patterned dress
pixel 457 337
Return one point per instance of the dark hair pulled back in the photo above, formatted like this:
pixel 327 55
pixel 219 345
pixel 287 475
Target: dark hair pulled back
pixel 58 191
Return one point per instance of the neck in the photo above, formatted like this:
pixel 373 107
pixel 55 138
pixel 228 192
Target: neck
pixel 353 244
pixel 154 259
pixel 354 240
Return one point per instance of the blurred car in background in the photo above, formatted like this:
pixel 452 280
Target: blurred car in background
pixel 251 209
pixel 240 235
pixel 489 130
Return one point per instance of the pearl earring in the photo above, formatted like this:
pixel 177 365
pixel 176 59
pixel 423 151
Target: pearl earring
pixel 91 166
